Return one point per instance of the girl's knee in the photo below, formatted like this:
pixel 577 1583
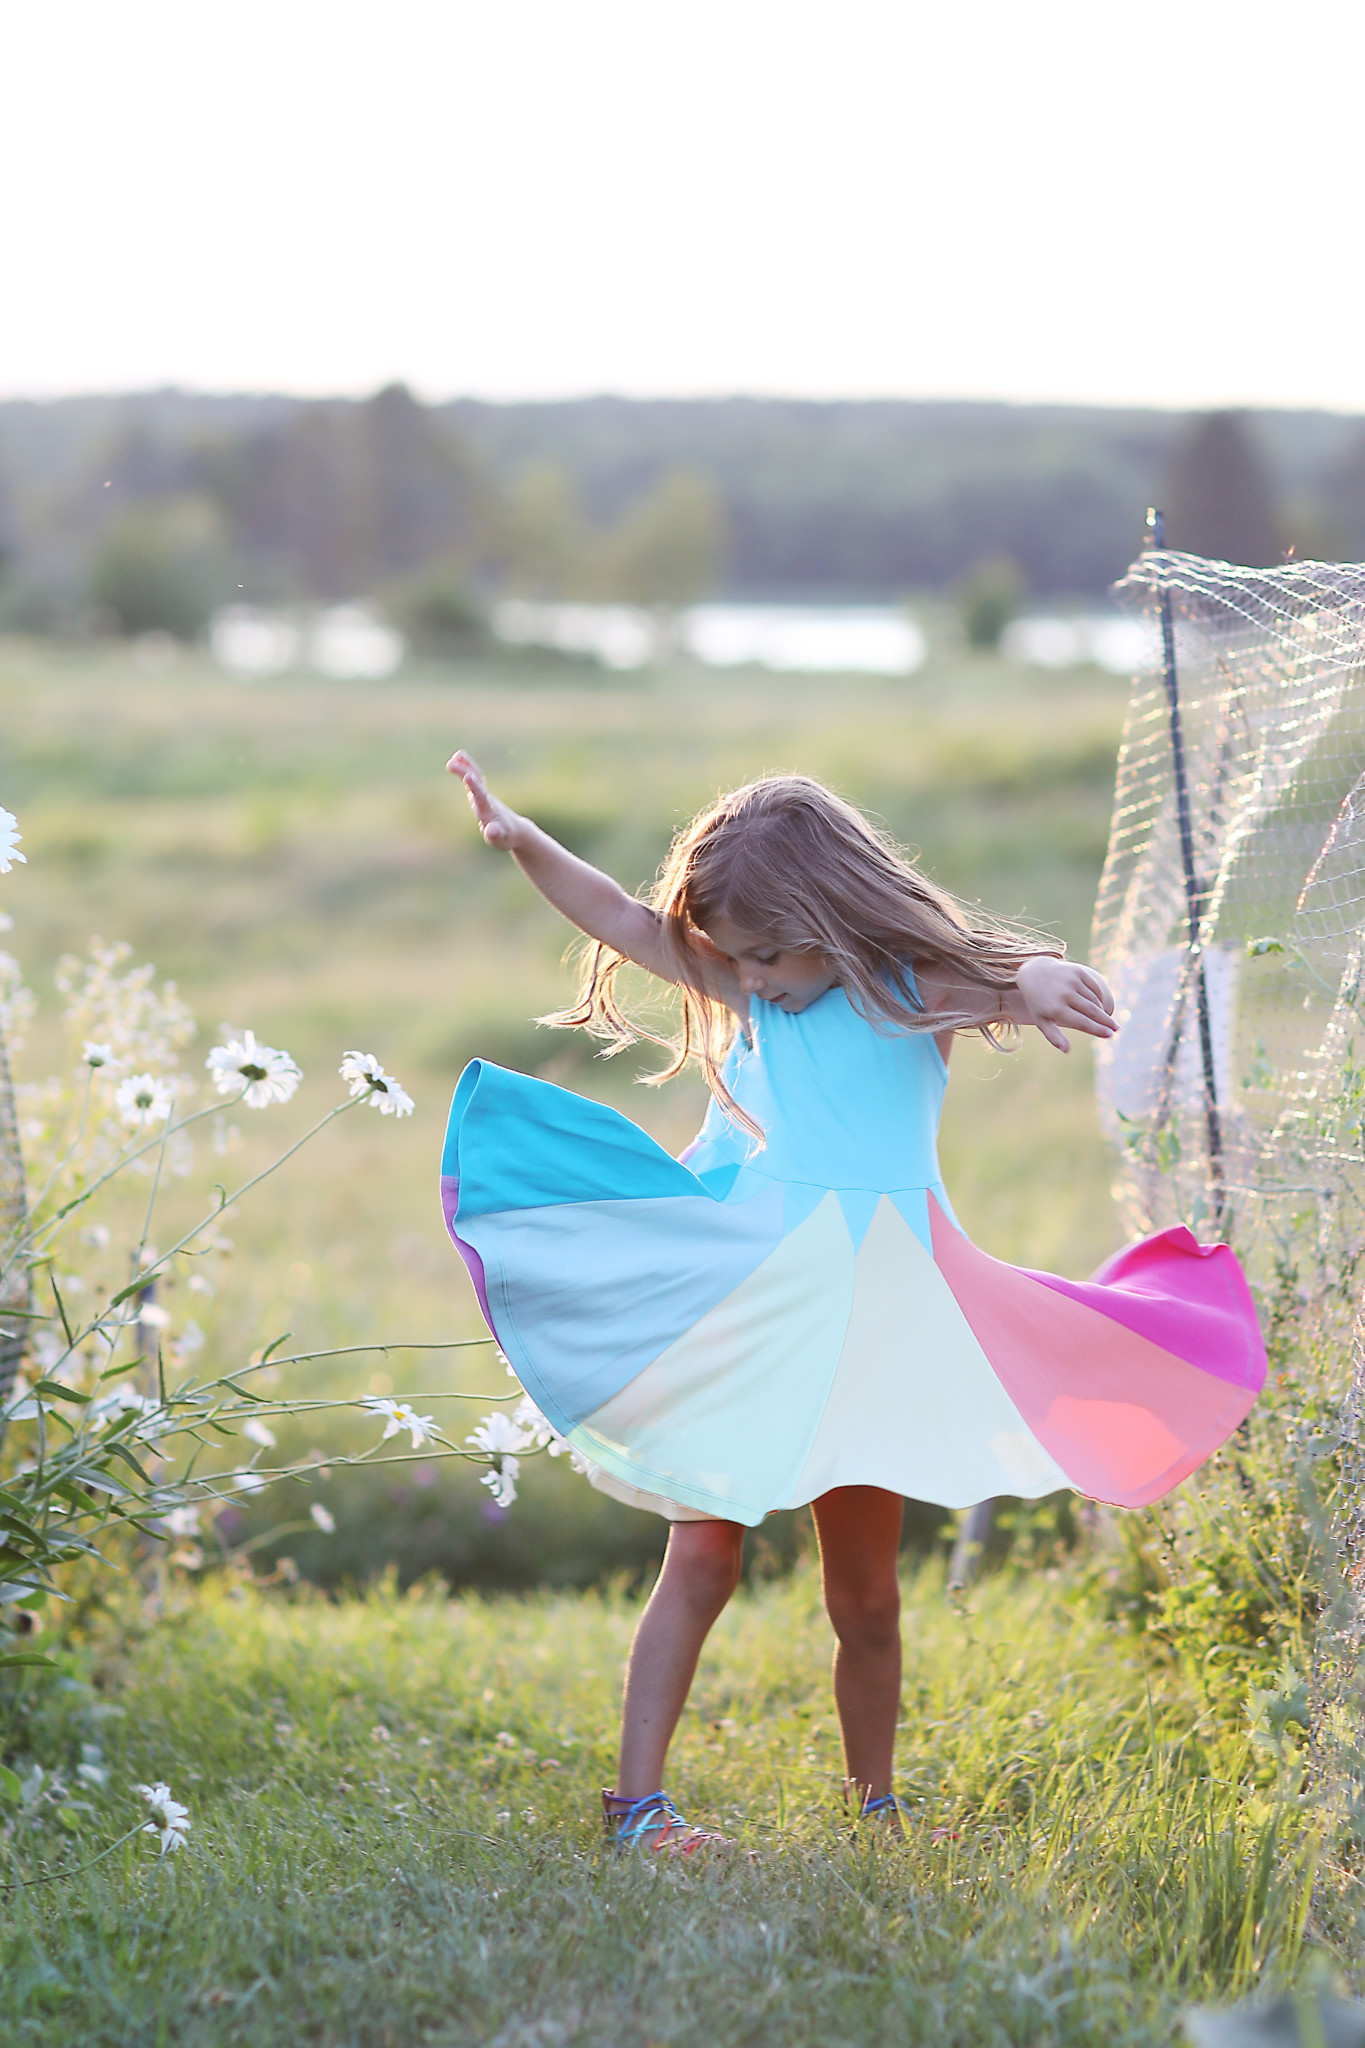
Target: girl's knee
pixel 866 1613
pixel 707 1558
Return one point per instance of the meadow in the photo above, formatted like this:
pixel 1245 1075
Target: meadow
pixel 392 1782
pixel 294 857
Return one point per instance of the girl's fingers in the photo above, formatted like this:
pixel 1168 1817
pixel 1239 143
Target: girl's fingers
pixel 1093 990
pixel 1089 1020
pixel 1081 1017
pixel 470 773
pixel 1091 1002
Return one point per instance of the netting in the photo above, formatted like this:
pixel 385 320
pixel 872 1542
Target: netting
pixel 1231 923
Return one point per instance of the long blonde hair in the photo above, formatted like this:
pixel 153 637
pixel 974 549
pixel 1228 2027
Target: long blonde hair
pixel 787 859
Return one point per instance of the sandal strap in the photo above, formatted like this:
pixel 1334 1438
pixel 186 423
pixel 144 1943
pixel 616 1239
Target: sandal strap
pixel 628 1819
pixel 887 1803
pixel 631 1820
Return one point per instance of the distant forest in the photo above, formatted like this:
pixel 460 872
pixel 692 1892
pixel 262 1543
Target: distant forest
pixel 148 510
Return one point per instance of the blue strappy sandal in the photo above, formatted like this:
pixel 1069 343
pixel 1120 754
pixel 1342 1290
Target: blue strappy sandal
pixel 887 1808
pixel 887 1804
pixel 654 1823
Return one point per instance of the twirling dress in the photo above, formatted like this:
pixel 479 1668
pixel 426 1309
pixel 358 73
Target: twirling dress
pixel 744 1328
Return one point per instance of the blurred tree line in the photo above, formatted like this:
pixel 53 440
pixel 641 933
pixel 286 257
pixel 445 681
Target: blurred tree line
pixel 146 512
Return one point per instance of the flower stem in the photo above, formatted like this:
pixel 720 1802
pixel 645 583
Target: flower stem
pixel 20 1884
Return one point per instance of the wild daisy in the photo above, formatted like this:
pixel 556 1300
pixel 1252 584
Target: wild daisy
pixel 324 1518
pixel 256 1432
pixel 142 1096
pixel 500 1434
pixel 366 1077
pixel 401 1415
pixel 181 1522
pixel 270 1075
pixel 10 835
pixel 170 1820
pixel 502 1484
pixel 543 1433
pixel 98 1055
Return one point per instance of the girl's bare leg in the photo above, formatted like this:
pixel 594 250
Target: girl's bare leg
pixel 700 1572
pixel 859 1528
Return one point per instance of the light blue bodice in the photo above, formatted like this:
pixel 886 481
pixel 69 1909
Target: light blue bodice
pixel 844 1103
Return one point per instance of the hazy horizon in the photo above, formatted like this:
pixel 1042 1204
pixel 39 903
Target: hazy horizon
pixel 358 394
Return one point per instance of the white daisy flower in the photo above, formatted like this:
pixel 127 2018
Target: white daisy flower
pixel 536 1430
pixel 154 1316
pixel 401 1415
pixel 142 1096
pixel 257 1433
pixel 324 1518
pixel 171 1821
pixel 361 1069
pixel 392 1099
pixel 181 1522
pixel 251 1482
pixel 98 1055
pixel 543 1434
pixel 270 1075
pixel 366 1077
pixel 502 1484
pixel 500 1435
pixel 10 835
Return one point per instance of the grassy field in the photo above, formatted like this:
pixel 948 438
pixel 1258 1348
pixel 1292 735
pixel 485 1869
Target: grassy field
pixel 394 1839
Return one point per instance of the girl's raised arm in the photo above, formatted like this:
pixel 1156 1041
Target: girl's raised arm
pixel 582 893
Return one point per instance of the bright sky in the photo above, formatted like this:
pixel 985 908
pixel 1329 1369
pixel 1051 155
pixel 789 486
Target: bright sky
pixel 1069 199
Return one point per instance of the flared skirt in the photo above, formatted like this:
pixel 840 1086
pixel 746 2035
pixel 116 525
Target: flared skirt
pixel 735 1344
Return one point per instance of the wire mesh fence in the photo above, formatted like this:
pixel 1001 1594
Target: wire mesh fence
pixel 1231 923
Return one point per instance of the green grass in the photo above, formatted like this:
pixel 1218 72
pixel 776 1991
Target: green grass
pixel 394 1836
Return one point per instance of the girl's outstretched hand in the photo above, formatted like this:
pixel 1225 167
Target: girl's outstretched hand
pixel 498 822
pixel 1061 993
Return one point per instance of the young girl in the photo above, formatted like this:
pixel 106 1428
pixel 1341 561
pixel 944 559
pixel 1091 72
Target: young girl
pixel 790 1313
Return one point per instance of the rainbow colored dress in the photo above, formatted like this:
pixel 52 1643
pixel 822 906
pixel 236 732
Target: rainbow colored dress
pixel 745 1327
